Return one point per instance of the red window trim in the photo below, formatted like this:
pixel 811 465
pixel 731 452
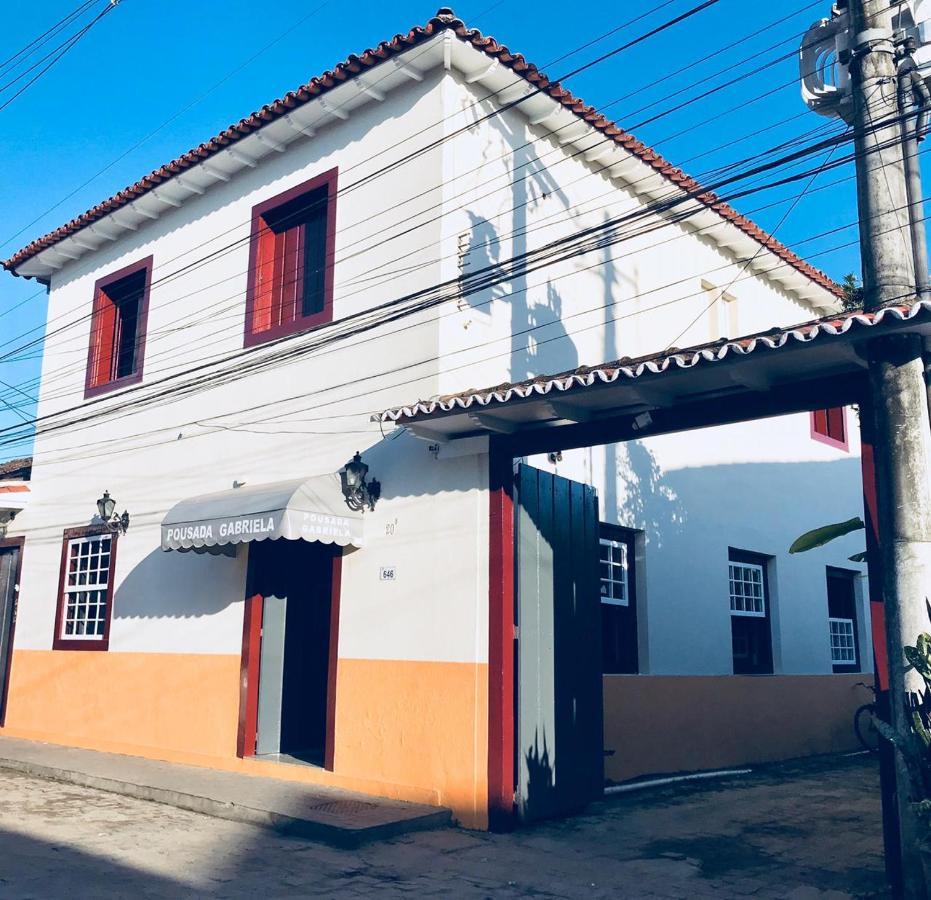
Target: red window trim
pixel 90 389
pixel 827 439
pixel 325 315
pixel 58 642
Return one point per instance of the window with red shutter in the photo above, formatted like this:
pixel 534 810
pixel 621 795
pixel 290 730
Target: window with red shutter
pixel 830 426
pixel 290 267
pixel 118 323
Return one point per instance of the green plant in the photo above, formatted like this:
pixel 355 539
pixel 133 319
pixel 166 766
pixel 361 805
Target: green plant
pixel 915 747
pixel 853 293
pixel 818 537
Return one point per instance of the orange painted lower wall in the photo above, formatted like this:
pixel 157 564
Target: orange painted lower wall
pixel 658 724
pixel 151 701
pixel 405 730
pixel 419 723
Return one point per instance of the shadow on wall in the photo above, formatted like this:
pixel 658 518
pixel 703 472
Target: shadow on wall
pixel 650 502
pixel 482 252
pixel 539 790
pixel 181 578
pixel 768 503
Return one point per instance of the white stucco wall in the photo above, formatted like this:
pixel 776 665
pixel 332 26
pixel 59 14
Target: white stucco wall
pixel 307 415
pixel 755 486
pixel 154 453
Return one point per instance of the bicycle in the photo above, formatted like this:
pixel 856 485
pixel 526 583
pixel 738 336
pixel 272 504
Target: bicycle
pixel 863 722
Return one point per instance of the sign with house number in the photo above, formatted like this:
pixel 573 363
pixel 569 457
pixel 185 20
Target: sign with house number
pixel 388 573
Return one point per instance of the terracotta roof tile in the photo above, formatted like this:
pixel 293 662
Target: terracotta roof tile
pixel 356 63
pixel 826 327
pixel 16 468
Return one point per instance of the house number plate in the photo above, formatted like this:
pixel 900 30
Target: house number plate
pixel 388 573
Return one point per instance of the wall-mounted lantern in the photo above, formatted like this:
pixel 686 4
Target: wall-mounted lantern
pixel 106 509
pixel 358 492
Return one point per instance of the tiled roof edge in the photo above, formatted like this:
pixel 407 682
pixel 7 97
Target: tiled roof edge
pixel 352 66
pixel 654 364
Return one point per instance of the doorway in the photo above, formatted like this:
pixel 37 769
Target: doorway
pixel 289 649
pixel 10 562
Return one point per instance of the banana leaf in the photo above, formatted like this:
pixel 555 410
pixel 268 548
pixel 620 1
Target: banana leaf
pixel 818 537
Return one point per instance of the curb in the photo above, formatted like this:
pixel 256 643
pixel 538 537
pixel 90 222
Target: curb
pixel 315 830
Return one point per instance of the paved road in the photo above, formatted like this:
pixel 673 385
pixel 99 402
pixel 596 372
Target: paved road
pixel 797 831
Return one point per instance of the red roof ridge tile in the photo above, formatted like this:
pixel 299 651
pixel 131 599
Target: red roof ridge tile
pixel 355 63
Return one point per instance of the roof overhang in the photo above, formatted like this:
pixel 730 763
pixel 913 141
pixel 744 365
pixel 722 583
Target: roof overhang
pixel 14 496
pixel 369 78
pixel 808 366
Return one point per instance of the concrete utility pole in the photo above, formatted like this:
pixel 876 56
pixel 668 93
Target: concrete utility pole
pixel 902 434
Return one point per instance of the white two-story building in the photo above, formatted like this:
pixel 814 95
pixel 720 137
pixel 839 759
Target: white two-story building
pixel 430 216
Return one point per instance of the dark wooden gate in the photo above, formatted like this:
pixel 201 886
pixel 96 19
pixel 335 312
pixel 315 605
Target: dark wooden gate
pixel 560 741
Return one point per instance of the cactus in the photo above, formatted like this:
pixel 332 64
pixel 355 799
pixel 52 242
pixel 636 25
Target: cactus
pixel 916 749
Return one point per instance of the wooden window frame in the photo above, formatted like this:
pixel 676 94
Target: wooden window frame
pixel 617 534
pixel 849 576
pixel 63 643
pixel 623 541
pixel 762 561
pixel 824 438
pixel 853 637
pixel 251 338
pixel 761 568
pixel 90 388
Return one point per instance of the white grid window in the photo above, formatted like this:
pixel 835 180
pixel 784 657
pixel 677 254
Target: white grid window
pixel 746 586
pixel 615 574
pixel 843 645
pixel 87 584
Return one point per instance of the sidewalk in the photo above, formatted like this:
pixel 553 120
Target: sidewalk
pixel 334 816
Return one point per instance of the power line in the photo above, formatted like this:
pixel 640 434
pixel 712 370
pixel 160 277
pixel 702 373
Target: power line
pixel 47 35
pixel 159 396
pixel 58 53
pixel 691 12
pixel 646 210
pixel 248 62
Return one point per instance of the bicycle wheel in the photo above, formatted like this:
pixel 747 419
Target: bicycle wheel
pixel 865 729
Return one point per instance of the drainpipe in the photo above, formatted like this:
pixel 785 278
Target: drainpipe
pixel 914 103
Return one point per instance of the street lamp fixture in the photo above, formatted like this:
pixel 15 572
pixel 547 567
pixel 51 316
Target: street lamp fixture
pixel 358 492
pixel 106 509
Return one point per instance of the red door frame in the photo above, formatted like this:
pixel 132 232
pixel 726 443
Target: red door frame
pixel 501 723
pixel 14 543
pixel 249 666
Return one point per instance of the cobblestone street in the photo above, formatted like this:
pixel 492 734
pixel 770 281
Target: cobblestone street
pixel 799 831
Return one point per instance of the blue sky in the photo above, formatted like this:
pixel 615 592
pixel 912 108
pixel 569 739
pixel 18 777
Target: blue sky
pixel 186 70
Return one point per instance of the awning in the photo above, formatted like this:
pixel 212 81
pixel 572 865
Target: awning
pixel 311 509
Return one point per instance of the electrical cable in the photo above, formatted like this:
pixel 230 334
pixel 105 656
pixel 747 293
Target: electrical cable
pixel 66 47
pixel 575 250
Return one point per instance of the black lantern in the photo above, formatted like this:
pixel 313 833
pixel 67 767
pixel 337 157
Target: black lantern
pixel 106 509
pixel 358 492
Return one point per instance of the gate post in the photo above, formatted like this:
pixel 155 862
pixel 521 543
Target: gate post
pixel 501 637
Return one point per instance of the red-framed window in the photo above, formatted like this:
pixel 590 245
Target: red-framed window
pixel 290 285
pixel 829 426
pixel 118 326
pixel 85 589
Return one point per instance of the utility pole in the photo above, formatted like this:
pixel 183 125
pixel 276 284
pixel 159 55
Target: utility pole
pixel 896 383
